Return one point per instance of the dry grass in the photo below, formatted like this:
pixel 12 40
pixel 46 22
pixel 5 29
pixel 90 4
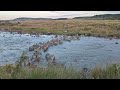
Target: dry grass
pixel 108 28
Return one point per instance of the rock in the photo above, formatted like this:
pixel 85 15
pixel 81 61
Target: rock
pixel 86 74
pixel 116 43
pixel 48 33
pixel 85 69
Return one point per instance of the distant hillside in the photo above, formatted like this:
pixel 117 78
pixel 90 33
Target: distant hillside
pixel 103 16
pixel 61 19
pixel 25 18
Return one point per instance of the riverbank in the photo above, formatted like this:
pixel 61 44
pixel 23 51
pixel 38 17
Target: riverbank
pixel 12 72
pixel 98 28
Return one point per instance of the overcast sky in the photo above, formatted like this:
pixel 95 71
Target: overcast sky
pixel 6 15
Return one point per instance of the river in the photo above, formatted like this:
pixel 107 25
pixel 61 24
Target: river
pixel 86 52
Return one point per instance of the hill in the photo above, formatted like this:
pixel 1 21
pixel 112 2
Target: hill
pixel 26 18
pixel 102 16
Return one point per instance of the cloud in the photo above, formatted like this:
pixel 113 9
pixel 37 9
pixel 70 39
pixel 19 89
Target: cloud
pixel 51 14
pixel 35 14
pixel 83 13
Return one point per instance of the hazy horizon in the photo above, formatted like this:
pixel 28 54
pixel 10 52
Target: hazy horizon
pixel 8 15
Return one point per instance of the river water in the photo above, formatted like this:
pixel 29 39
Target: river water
pixel 86 52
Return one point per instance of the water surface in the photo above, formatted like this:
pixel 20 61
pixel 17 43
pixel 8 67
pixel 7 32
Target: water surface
pixel 86 52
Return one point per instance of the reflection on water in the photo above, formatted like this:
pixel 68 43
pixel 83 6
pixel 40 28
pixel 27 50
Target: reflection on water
pixel 86 52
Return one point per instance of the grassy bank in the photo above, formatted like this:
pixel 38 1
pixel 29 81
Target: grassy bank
pixel 12 72
pixel 104 28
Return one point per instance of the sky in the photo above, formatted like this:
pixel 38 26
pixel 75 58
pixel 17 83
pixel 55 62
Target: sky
pixel 7 15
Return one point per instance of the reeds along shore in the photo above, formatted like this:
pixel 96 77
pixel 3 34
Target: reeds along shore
pixel 15 72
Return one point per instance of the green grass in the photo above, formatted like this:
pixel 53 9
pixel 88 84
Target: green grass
pixel 12 72
pixel 37 30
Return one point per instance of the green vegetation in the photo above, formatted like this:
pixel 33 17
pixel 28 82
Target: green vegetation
pixel 100 28
pixel 37 30
pixel 18 71
pixel 13 72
